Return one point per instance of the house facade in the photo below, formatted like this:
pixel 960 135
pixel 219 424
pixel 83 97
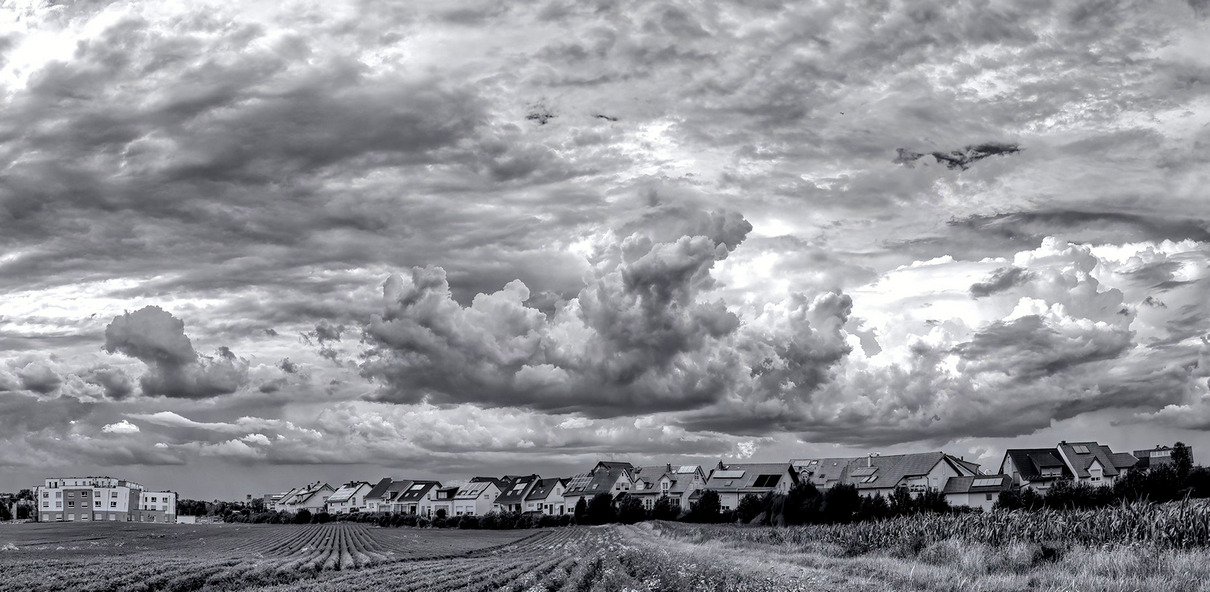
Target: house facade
pixel 734 481
pixel 412 500
pixel 475 499
pixel 546 497
pixel 979 491
pixel 1095 464
pixel 439 498
pixel 349 498
pixel 1155 457
pixel 882 475
pixel 102 499
pixel 676 483
pixel 312 497
pixel 514 491
pixel 612 477
pixel 1034 468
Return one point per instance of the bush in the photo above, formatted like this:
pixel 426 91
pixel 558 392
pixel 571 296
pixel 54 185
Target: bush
pixel 664 510
pixel 581 511
pixel 600 510
pixel 840 504
pixel 631 511
pixel 707 509
pixel 750 507
pixel 321 518
pixel 303 516
pixel 468 522
pixel 441 513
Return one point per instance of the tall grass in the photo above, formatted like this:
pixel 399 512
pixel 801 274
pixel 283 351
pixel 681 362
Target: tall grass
pixel 1178 525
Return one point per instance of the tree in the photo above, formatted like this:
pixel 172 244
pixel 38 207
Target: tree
pixel 25 494
pixel 257 506
pixel 630 510
pixel 581 511
pixel 840 504
pixel 5 513
pixel 707 507
pixel 900 502
pixel 664 510
pixel 934 501
pixel 802 504
pixel 600 509
pixel 1182 460
pixel 749 508
pixel 303 516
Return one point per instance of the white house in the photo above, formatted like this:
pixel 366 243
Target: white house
pixel 546 497
pixel 675 482
pixel 981 491
pixel 475 499
pixel 733 482
pixel 411 500
pixel 514 491
pixel 439 498
pixel 612 477
pixel 1034 468
pixel 1095 464
pixel 351 497
pixel 917 472
pixel 312 497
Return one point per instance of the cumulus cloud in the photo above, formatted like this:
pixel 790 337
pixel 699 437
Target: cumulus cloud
pixel 122 427
pixel 156 338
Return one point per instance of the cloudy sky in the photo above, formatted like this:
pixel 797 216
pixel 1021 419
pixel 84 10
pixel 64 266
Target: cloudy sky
pixel 245 245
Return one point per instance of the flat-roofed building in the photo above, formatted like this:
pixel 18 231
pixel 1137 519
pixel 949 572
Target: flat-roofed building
pixel 102 499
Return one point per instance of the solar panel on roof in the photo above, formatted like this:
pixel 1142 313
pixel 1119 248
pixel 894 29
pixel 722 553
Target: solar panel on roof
pixel 864 471
pixel 684 469
pixel 992 482
pixel 728 474
pixel 1080 449
pixel 767 481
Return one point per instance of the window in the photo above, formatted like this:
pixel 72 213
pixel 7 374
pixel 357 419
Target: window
pixel 58 494
pixel 113 504
pixel 45 504
pixel 989 497
pixel 45 494
pixel 71 504
pixel 71 494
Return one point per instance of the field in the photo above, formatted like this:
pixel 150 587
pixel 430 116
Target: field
pixel 649 556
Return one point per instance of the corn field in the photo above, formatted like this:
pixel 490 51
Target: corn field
pixel 1178 525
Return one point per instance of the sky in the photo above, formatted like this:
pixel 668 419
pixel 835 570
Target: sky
pixel 245 246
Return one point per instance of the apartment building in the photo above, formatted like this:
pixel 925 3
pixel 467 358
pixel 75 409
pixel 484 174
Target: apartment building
pixel 102 499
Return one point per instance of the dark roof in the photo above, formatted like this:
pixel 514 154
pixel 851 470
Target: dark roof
pixel 600 481
pixel 883 472
pixel 516 488
pixel 500 483
pixel 1029 462
pixel 380 488
pixel 1081 455
pixel 967 484
pixel 415 492
pixel 612 464
pixel 542 489
pixel 750 477
pixel 824 471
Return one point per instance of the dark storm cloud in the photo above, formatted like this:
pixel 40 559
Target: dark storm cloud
pixel 116 383
pixel 156 338
pixel 1086 226
pixel 958 159
pixel 1002 279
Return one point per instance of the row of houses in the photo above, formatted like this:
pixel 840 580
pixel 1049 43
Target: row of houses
pixel 964 483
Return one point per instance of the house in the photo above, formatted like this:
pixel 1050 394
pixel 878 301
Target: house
pixel 675 482
pixel 1034 468
pixel 312 497
pixel 546 497
pixel 410 500
pixel 1094 463
pixel 102 499
pixel 733 482
pixel 976 491
pixel 349 498
pixel 610 477
pixel 918 472
pixel 516 489
pixel 439 498
pixel 1155 457
pixel 380 496
pixel 824 473
pixel 476 498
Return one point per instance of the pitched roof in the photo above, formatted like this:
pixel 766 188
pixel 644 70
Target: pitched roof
pixel 415 492
pixel 1081 455
pixel 1030 462
pixel 516 488
pixel 883 472
pixel 600 481
pixel 473 490
pixel 978 484
pixel 500 483
pixel 542 489
pixel 749 477
pixel 346 492
pixel 379 489
pixel 821 472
